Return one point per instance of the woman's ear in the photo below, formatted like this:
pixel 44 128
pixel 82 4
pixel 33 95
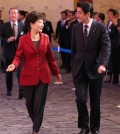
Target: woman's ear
pixel 31 24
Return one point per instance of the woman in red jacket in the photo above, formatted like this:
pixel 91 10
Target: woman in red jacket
pixel 38 64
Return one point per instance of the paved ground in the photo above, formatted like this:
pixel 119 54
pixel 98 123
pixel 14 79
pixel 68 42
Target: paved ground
pixel 60 115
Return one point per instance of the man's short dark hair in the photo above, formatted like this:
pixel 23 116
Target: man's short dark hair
pixel 115 12
pixel 22 12
pixel 13 8
pixel 72 12
pixel 101 16
pixel 86 7
pixel 64 12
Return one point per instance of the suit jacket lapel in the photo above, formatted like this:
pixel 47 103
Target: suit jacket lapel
pixel 41 44
pixel 30 43
pixel 91 33
pixel 80 34
pixel 10 28
pixel 19 30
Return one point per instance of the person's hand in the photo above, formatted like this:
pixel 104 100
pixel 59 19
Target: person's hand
pixel 54 37
pixel 59 78
pixel 10 68
pixel 57 40
pixel 101 69
pixel 118 28
pixel 12 38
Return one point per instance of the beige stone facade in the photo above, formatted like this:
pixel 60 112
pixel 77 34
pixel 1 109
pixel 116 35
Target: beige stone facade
pixel 53 7
pixel 104 5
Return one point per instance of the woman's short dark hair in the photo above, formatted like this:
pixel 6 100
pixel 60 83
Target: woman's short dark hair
pixel 32 18
pixel 86 7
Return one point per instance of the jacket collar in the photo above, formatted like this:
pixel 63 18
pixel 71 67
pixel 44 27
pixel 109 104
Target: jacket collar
pixel 30 42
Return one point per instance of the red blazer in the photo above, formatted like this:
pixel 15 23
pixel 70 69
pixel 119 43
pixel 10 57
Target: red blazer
pixel 37 63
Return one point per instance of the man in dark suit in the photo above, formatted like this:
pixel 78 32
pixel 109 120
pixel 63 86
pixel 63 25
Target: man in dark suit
pixel 22 16
pixel 10 33
pixel 2 60
pixel 61 35
pixel 70 22
pixel 113 14
pixel 47 29
pixel 90 55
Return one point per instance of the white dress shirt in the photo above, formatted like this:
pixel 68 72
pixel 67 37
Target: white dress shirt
pixel 89 26
pixel 15 27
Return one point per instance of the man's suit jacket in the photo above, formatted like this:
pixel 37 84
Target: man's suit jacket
pixel 9 49
pixel 1 22
pixel 96 52
pixel 48 29
pixel 113 34
pixel 37 63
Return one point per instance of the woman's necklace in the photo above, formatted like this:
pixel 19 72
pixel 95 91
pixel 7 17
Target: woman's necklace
pixel 35 37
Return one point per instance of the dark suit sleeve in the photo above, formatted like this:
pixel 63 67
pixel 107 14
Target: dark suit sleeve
pixel 105 46
pixel 2 34
pixel 51 28
pixel 57 30
pixel 73 45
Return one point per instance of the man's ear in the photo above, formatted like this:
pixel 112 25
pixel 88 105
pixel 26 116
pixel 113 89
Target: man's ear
pixel 89 14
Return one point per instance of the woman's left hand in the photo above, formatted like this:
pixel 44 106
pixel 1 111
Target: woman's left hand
pixel 59 78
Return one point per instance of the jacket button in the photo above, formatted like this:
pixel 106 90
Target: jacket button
pixel 38 68
pixel 37 62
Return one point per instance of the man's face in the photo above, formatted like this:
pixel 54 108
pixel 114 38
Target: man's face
pixel 71 16
pixel 82 16
pixel 20 17
pixel 13 15
pixel 44 17
pixel 110 16
pixel 63 16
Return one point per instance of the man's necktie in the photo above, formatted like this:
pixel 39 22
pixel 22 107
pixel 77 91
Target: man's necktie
pixel 85 35
pixel 62 24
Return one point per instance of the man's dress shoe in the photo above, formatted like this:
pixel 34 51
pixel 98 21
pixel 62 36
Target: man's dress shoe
pixel 20 96
pixel 95 132
pixel 84 131
pixel 8 93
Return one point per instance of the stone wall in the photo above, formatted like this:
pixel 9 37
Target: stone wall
pixel 104 5
pixel 53 7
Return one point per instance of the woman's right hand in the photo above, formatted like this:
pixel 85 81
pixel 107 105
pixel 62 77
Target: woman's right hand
pixel 10 68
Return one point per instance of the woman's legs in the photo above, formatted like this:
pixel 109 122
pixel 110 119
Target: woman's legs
pixel 29 96
pixel 35 101
pixel 39 104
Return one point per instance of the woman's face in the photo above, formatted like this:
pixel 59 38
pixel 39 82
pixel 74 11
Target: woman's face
pixel 37 26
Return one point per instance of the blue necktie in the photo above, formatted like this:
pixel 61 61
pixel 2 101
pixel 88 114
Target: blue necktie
pixel 62 24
